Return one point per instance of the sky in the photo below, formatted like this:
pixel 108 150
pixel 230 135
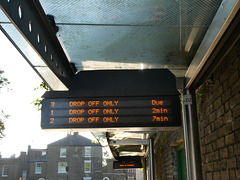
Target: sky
pixel 23 125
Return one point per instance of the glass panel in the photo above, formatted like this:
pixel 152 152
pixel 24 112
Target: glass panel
pixel 145 34
pixel 63 152
pixel 62 167
pixel 87 178
pixel 38 168
pixel 87 166
pixel 88 151
pixel 5 170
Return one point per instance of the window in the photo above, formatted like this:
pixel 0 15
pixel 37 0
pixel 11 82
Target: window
pixel 5 171
pixel 87 178
pixel 62 167
pixel 88 151
pixel 44 153
pixel 87 166
pixel 38 168
pixel 24 174
pixel 63 152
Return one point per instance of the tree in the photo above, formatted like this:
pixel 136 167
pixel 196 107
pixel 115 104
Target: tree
pixel 38 102
pixel 3 83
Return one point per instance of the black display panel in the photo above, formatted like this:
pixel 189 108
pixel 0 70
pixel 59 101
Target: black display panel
pixel 101 100
pixel 110 112
pixel 126 165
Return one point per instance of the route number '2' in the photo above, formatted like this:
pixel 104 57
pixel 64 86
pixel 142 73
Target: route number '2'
pixel 51 120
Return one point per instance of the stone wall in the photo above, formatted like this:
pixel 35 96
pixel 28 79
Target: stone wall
pixel 165 159
pixel 219 120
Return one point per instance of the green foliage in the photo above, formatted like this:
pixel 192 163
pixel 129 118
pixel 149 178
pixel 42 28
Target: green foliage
pixel 43 85
pixel 200 94
pixel 2 128
pixel 199 97
pixel 38 102
pixel 3 83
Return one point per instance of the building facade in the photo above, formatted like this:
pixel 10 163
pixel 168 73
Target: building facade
pixel 73 157
pixel 13 168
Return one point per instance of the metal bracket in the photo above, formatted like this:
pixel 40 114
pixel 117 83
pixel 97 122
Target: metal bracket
pixel 130 142
pixel 31 21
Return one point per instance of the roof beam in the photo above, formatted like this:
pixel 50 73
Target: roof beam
pixel 30 20
pixel 219 25
pixel 226 43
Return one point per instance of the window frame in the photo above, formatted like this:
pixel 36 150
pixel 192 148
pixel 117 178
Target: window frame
pixel 63 152
pixel 38 168
pixel 90 166
pixel 62 171
pixel 89 150
pixel 87 178
pixel 5 170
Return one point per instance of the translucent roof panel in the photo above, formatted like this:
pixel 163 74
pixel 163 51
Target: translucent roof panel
pixel 131 34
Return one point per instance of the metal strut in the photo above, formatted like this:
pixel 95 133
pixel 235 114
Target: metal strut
pixel 31 21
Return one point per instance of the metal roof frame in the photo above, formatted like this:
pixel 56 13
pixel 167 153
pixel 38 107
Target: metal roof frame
pixel 29 18
pixel 219 26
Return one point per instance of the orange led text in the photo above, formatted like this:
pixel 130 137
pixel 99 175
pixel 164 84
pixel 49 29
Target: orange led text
pixel 110 111
pixel 93 103
pixel 93 119
pixel 159 110
pixel 76 120
pixel 110 119
pixel 76 111
pixel 76 103
pixel 110 103
pixel 156 102
pixel 127 165
pixel 93 111
pixel 160 118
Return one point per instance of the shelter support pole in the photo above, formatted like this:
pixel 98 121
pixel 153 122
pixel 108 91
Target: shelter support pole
pixel 144 169
pixel 191 136
pixel 151 160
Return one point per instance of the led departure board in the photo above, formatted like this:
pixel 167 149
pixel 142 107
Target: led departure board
pixel 126 99
pixel 127 165
pixel 110 112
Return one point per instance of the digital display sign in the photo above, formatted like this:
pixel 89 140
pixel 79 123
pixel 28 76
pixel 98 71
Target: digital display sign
pixel 60 113
pixel 111 99
pixel 126 165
